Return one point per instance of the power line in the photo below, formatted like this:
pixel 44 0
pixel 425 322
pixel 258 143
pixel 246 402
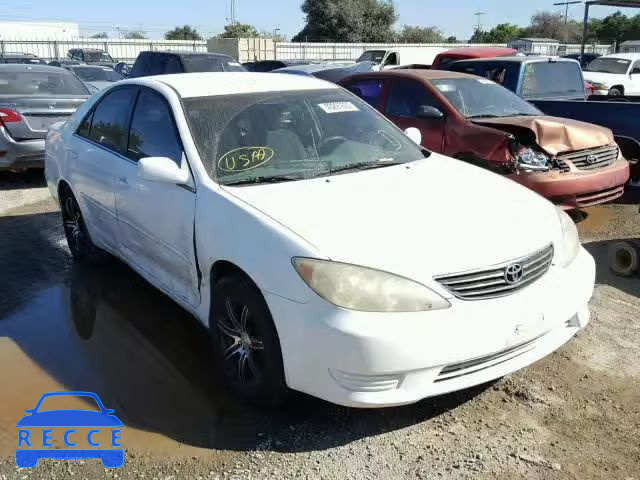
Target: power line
pixel 566 9
pixel 479 15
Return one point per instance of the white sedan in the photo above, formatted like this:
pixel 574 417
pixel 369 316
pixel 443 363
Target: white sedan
pixel 326 251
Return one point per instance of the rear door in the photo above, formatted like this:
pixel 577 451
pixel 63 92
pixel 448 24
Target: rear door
pixel 156 220
pixel 404 98
pixel 95 157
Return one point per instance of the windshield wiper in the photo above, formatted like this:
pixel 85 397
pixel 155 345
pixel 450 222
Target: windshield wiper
pixel 483 115
pixel 359 166
pixel 255 180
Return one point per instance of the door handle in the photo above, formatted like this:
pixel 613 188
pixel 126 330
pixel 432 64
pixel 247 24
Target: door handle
pixel 123 180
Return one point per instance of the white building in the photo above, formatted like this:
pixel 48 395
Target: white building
pixel 630 46
pixel 38 30
pixel 539 46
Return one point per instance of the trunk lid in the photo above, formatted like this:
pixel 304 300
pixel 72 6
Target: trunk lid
pixel 38 113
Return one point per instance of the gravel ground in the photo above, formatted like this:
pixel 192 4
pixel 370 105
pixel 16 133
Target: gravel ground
pixel 575 414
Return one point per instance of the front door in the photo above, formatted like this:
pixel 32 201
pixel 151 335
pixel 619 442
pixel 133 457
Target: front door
pixel 156 220
pixel 404 99
pixel 635 79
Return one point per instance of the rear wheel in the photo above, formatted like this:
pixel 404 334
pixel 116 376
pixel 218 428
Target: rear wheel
pixel 246 345
pixel 75 230
pixel 624 259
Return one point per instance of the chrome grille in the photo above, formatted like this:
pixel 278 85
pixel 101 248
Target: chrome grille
pixel 494 282
pixel 592 158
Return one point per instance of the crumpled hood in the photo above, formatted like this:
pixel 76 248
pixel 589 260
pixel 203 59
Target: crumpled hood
pixel 609 79
pixel 438 216
pixel 553 134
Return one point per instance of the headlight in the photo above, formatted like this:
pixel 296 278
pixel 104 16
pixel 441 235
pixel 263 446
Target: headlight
pixel 598 86
pixel 528 159
pixel 570 240
pixel 366 289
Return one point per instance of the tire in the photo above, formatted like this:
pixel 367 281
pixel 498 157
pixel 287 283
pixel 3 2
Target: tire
pixel 615 92
pixel 75 230
pixel 246 347
pixel 624 259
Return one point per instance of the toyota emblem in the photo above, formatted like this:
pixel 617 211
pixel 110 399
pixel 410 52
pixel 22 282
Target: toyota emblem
pixel 513 273
pixel 591 159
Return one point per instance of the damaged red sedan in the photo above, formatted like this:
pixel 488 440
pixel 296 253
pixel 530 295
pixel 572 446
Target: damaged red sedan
pixel 574 164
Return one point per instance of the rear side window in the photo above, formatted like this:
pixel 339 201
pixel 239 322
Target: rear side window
pixel 551 79
pixel 367 90
pixel 405 96
pixel 173 65
pixel 152 132
pixel 110 118
pixel 148 63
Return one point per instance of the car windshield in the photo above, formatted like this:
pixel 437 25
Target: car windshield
pixel 92 74
pixel 278 136
pixel 40 83
pixel 97 57
pixel 211 63
pixel 479 97
pixel 374 56
pixel 619 66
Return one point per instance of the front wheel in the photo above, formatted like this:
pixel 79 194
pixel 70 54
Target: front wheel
pixel 245 342
pixel 615 92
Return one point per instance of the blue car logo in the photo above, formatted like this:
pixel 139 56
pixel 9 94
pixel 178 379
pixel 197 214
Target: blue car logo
pixel 32 446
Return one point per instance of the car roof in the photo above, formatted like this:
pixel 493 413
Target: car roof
pixel 207 84
pixel 518 59
pixel 473 51
pixel 186 54
pixel 32 67
pixel 626 56
pixel 417 74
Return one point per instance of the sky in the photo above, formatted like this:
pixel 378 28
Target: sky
pixel 210 16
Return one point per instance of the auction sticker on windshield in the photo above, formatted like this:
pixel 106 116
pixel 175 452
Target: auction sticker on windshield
pixel 67 433
pixel 338 107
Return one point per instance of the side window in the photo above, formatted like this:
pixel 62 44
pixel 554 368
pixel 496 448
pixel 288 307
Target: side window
pixel 636 67
pixel 152 132
pixel 405 96
pixel 392 59
pixel 367 90
pixel 85 126
pixel 155 64
pixel 173 65
pixel 110 118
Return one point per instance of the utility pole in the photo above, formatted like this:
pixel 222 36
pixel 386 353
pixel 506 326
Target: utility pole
pixel 566 9
pixel 233 12
pixel 479 15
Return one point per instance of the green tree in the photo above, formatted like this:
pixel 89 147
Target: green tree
pixel 614 28
pixel 135 35
pixel 452 39
pixel 410 34
pixel 347 21
pixel 551 25
pixel 503 33
pixel 239 30
pixel 185 32
pixel 100 35
pixel 479 36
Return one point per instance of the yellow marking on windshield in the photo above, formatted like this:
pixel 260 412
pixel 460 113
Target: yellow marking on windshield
pixel 245 158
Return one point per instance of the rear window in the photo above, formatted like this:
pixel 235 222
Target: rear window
pixel 41 83
pixel 211 63
pixel 89 74
pixel 445 60
pixel 551 79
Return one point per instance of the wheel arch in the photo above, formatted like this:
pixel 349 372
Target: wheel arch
pixel 619 87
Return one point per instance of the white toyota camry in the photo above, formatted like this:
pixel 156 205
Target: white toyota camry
pixel 326 251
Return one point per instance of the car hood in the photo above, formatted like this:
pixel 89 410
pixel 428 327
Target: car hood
pixel 553 134
pixel 436 216
pixel 608 79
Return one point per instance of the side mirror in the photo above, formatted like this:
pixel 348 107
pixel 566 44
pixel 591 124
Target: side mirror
pixel 414 135
pixel 427 111
pixel 163 170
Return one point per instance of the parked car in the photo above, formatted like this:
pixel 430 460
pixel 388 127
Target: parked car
pixel 301 251
pixel 95 76
pixel 574 164
pixel 583 59
pixel 64 62
pixel 161 63
pixel 270 65
pixel 331 72
pixel 616 74
pixel 32 98
pixel 462 53
pixel 401 56
pixel 24 58
pixel 92 56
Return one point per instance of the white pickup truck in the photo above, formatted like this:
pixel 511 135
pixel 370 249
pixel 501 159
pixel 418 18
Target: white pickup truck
pixel 401 56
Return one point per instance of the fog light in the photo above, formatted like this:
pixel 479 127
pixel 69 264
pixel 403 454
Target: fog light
pixel 366 383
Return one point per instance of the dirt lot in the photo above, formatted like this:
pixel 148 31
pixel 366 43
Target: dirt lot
pixel 576 414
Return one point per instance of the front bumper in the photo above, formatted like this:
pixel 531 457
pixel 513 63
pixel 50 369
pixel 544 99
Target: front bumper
pixel 21 155
pixel 576 188
pixel 364 359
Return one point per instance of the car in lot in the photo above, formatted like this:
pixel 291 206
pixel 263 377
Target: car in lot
pixel 332 72
pixel 400 56
pixel 281 210
pixel 583 59
pixel 32 98
pixel 270 65
pixel 574 164
pixel 92 56
pixel 462 53
pixel 162 63
pixel 95 76
pixel 17 57
pixel 615 74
